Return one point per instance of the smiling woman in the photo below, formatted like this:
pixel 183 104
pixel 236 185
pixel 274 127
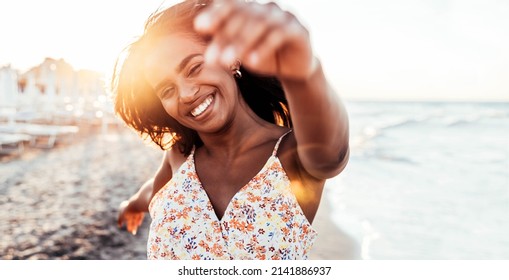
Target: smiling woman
pixel 250 128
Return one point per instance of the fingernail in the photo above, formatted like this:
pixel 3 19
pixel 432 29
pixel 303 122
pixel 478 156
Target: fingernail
pixel 202 21
pixel 228 56
pixel 211 54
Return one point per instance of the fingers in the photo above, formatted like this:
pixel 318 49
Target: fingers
pixel 121 212
pixel 214 15
pixel 255 31
pixel 240 29
pixel 273 42
pixel 132 220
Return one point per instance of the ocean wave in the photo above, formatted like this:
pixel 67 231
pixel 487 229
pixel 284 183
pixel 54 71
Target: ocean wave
pixel 375 129
pixel 461 120
pixel 404 122
pixel 394 115
pixel 410 188
pixel 478 119
pixel 398 159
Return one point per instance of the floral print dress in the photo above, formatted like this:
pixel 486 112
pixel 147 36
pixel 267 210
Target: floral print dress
pixel 262 221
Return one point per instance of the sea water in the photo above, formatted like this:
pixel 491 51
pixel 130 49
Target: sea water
pixel 426 181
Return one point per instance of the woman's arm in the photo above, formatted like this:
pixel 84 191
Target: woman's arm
pixel 271 41
pixel 132 211
pixel 320 124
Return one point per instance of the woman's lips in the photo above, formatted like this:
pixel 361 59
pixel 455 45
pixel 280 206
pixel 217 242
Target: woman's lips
pixel 202 107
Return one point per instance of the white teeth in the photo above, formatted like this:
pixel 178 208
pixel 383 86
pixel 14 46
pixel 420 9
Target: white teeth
pixel 202 107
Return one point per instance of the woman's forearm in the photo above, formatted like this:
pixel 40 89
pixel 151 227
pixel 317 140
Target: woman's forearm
pixel 320 123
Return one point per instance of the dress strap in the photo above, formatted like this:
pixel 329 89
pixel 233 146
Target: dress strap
pixel 274 152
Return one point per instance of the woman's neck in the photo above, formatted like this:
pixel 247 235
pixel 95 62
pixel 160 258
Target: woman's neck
pixel 243 133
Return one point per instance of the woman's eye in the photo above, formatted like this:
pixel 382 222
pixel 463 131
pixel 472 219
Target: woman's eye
pixel 167 92
pixel 195 69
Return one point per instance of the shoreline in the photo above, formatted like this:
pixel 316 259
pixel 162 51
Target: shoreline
pixel 332 243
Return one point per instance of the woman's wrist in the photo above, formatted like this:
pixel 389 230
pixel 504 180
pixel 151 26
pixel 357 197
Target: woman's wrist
pixel 315 75
pixel 136 204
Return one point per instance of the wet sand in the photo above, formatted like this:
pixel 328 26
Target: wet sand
pixel 332 243
pixel 61 203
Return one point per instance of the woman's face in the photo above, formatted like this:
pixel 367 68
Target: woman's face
pixel 199 96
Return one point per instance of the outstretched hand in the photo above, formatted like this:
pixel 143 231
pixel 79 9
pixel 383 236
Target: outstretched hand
pixel 132 219
pixel 266 39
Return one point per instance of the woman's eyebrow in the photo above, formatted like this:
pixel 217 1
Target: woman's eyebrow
pixel 185 61
pixel 178 69
pixel 160 85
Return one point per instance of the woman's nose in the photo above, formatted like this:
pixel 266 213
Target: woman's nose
pixel 188 92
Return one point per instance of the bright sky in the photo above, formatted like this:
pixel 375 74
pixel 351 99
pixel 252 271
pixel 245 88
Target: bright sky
pixel 370 49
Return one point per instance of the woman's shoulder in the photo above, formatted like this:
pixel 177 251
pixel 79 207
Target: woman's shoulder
pixel 174 158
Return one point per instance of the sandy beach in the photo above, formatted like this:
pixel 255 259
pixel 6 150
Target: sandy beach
pixel 332 243
pixel 61 203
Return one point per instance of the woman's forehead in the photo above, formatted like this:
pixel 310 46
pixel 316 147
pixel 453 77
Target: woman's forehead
pixel 172 48
pixel 164 54
pixel 168 51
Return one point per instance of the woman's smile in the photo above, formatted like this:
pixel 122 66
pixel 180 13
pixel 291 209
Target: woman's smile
pixel 202 107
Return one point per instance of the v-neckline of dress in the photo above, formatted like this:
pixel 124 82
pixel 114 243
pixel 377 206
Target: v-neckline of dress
pixel 241 190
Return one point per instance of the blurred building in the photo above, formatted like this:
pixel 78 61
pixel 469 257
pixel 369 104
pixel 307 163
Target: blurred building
pixel 52 89
pixel 8 87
